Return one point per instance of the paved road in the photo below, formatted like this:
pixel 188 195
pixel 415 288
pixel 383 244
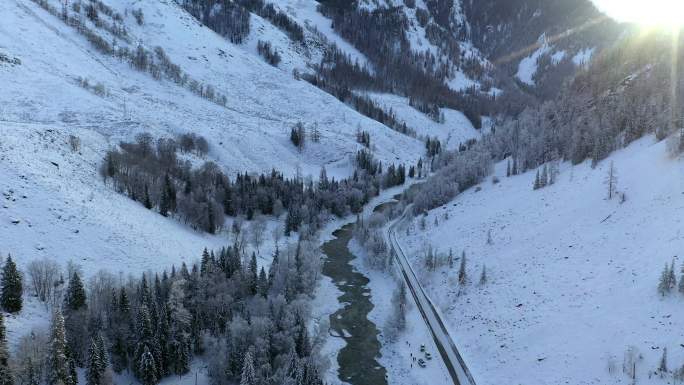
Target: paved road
pixel 447 349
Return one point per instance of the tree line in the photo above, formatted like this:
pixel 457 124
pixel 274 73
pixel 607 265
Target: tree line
pixel 151 173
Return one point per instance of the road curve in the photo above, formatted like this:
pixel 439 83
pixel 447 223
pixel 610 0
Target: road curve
pixel 447 349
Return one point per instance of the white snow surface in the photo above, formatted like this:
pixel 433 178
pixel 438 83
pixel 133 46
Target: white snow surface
pixel 306 14
pixel 66 212
pixel 528 65
pixel 572 276
pixel 251 134
pixel 455 130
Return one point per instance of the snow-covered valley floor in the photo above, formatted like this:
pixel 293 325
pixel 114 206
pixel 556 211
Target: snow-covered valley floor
pixel 572 276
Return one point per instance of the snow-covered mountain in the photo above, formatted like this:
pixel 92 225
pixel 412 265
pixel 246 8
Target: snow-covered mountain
pixel 571 275
pixel 568 283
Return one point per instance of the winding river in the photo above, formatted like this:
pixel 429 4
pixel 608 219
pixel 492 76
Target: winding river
pixel 357 360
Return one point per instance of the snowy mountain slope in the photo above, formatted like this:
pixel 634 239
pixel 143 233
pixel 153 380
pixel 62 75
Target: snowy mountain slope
pixel 263 102
pixel 55 206
pixel 318 27
pixel 572 276
pixel 455 130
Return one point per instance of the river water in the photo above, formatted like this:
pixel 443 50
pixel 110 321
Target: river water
pixel 357 361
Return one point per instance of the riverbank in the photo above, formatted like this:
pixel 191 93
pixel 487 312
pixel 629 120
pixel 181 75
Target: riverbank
pixel 324 306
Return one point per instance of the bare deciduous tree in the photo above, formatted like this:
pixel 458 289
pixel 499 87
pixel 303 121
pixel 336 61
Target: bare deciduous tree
pixel 611 180
pixel 257 231
pixel 44 275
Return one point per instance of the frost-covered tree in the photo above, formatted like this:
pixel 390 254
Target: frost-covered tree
pixel 12 287
pixel 262 284
pixel 483 276
pixel 248 376
pixel 611 180
pixel 662 366
pixel 537 182
pixel 462 275
pixel 430 259
pixel 147 368
pixel 59 370
pixel 664 284
pixel 396 322
pixel 671 277
pixel 95 365
pixel 6 376
pixel 681 280
pixel 257 231
pixel 544 177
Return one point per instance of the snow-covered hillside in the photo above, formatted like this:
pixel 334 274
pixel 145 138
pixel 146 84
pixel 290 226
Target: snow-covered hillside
pixel 456 129
pixel 251 133
pixel 572 276
pixel 55 206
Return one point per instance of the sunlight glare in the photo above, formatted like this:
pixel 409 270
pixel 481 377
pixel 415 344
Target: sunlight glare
pixel 665 13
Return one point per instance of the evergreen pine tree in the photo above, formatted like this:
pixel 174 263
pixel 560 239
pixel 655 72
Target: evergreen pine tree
pixel 681 280
pixel 124 305
pixel 302 343
pixel 662 367
pixel 248 376
pixel 29 373
pixel 292 364
pixel 180 355
pixel 664 284
pixel 59 372
pixel 72 368
pixel 144 330
pixel 147 368
pixel 12 287
pixel 119 354
pixel 262 285
pixel 211 220
pixel 102 352
pixel 75 296
pixel 6 377
pixel 430 260
pixel 253 274
pixel 146 199
pixel 671 278
pixel 273 269
pixel 544 178
pixel 483 276
pixel 508 168
pixel 164 202
pixel 204 263
pixel 514 168
pixel 462 276
pixel 537 182
pixel 94 366
pixel 167 201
